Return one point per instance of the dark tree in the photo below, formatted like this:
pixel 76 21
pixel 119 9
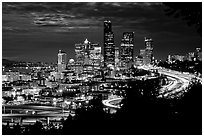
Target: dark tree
pixel 191 12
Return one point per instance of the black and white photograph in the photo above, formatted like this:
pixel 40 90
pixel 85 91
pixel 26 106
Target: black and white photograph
pixel 101 68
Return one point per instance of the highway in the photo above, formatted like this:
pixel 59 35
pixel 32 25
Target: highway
pixel 169 86
pixel 175 88
pixel 111 102
pixel 179 84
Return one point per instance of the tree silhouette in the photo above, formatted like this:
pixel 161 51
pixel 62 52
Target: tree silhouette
pixel 191 12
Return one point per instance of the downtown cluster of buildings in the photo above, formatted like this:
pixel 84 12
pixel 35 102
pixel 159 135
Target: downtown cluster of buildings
pixel 90 61
pixel 91 70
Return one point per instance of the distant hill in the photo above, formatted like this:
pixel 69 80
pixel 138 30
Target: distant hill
pixel 7 62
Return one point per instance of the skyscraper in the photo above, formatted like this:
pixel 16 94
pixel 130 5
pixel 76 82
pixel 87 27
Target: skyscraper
pixel 142 55
pixel 117 57
pixel 95 55
pixel 88 56
pixel 62 60
pixel 127 49
pixel 109 46
pixel 148 51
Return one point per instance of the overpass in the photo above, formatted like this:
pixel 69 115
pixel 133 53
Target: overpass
pixel 26 112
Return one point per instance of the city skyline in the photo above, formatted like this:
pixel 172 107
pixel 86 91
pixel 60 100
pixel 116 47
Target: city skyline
pixel 27 36
pixel 102 68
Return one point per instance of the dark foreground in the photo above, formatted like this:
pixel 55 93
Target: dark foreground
pixel 140 115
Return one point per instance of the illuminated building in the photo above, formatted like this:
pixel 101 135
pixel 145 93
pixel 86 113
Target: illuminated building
pixel 190 56
pixel 88 57
pixel 95 55
pixel 109 46
pixel 10 76
pixel 169 60
pixel 177 57
pixel 62 60
pixel 127 49
pixel 117 57
pixel 142 52
pixel 146 54
pixel 79 54
pixel 198 54
pixel 138 60
pixel 142 55
pixel 24 77
pixel 102 61
pixel 71 65
pixel 15 76
pixel 56 75
pixel 148 51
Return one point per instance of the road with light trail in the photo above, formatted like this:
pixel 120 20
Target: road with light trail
pixel 178 83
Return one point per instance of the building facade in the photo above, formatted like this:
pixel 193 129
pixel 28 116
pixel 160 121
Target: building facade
pixel 117 57
pixel 198 54
pixel 190 56
pixel 62 61
pixel 127 49
pixel 177 58
pixel 148 51
pixel 109 46
pixel 88 58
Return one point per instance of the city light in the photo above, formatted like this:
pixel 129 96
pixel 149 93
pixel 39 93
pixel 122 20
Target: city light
pixel 109 86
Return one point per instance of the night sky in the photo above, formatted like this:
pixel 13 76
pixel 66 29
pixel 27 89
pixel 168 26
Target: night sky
pixel 36 31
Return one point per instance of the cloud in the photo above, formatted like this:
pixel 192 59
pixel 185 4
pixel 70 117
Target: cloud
pixel 83 15
pixel 81 9
pixel 50 20
pixel 73 29
pixel 144 16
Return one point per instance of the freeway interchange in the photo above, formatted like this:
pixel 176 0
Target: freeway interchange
pixel 178 84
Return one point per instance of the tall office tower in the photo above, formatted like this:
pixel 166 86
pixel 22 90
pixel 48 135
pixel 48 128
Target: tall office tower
pixel 148 51
pixel 127 49
pixel 88 56
pixel 109 46
pixel 81 58
pixel 95 55
pixel 79 52
pixel 198 54
pixel 62 60
pixel 117 57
